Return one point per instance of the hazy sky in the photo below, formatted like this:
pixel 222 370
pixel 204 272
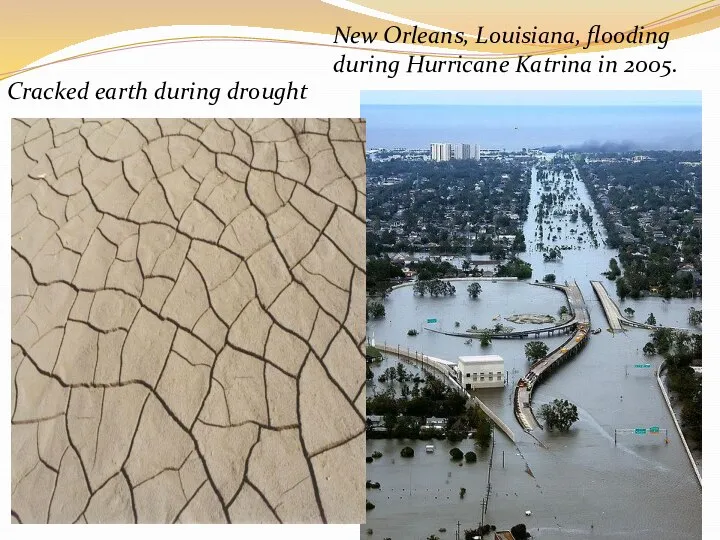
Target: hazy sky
pixel 513 119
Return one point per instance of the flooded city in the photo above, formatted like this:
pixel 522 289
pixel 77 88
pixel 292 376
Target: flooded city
pixel 587 483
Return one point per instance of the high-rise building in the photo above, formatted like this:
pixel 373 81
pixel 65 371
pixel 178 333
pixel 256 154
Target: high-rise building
pixel 474 154
pixel 448 151
pixel 457 149
pixel 441 151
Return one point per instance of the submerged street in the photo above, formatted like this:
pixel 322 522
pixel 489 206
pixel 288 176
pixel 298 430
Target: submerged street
pixel 576 485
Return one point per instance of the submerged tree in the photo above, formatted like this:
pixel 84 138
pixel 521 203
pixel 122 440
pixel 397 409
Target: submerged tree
pixel 535 350
pixel 474 289
pixel 434 287
pixel 376 310
pixel 623 289
pixel 560 415
pixel 662 338
pixel 649 349
pixel 519 532
pixel 483 433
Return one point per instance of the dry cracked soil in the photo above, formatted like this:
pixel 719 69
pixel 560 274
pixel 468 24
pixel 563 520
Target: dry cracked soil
pixel 188 303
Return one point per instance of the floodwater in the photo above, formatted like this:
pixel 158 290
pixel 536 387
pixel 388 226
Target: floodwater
pixel 577 485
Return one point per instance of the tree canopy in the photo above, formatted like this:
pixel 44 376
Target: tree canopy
pixel 681 351
pixel 474 289
pixel 375 310
pixel 515 268
pixel 433 287
pixel 535 350
pixel 380 272
pixel 560 415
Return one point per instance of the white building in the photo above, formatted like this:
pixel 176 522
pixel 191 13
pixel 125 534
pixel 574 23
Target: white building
pixel 441 151
pixel 456 151
pixel 462 151
pixel 481 371
pixel 448 151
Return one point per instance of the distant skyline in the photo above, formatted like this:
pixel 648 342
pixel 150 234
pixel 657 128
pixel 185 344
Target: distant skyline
pixel 515 119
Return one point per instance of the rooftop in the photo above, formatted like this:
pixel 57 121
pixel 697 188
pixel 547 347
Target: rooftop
pixel 480 359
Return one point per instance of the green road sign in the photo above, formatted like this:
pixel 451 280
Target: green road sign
pixel 654 429
pixel 642 365
pixel 430 321
pixel 640 431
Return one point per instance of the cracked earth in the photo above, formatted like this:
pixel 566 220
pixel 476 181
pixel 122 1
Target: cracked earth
pixel 188 303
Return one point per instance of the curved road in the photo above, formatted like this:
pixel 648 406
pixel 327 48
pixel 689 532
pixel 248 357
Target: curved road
pixel 561 328
pixel 522 395
pixel 615 318
pixel 446 369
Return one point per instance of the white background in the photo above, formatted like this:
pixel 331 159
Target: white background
pixel 337 95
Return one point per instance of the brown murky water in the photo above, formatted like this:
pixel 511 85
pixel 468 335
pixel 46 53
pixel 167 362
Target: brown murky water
pixel 582 485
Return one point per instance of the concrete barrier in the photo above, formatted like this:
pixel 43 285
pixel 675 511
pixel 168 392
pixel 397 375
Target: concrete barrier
pixel 444 369
pixel 677 424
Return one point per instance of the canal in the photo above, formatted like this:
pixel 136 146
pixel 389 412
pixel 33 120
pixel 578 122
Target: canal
pixel 576 485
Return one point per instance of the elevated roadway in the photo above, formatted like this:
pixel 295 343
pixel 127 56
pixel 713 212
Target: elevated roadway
pixel 445 369
pixel 522 395
pixel 615 318
pixel 571 292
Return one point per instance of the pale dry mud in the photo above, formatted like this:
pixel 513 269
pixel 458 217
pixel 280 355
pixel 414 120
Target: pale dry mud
pixel 188 303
